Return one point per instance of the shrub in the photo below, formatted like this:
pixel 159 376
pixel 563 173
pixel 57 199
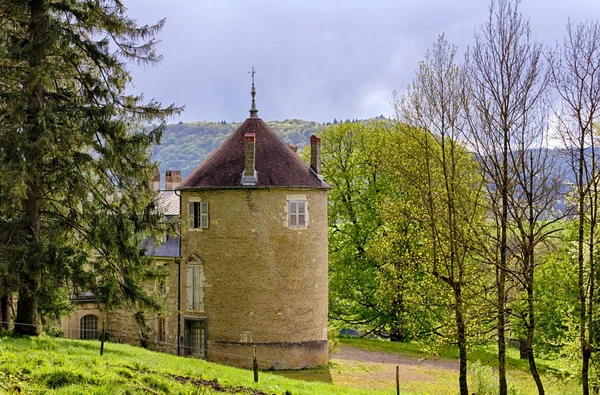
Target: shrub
pixel 53 331
pixel 333 345
pixel 483 381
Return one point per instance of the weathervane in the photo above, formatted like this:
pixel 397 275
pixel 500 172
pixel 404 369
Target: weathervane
pixel 253 109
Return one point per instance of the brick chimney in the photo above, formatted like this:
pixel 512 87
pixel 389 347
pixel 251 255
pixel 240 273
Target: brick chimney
pixel 315 153
pixel 249 175
pixel 172 179
pixel 155 184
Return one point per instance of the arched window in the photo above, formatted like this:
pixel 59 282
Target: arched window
pixel 88 327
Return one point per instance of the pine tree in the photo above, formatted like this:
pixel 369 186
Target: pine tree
pixel 75 153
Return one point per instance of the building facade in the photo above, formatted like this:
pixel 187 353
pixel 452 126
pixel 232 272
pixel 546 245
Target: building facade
pixel 251 271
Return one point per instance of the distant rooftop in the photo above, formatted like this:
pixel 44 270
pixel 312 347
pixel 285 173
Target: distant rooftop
pixel 168 203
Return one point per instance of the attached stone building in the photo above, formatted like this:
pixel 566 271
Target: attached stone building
pixel 252 268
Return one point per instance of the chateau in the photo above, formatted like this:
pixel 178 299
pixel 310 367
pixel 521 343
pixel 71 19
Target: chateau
pixel 249 268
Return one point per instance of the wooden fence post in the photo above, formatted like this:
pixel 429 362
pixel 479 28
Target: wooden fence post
pixel 397 380
pixel 254 364
pixel 102 336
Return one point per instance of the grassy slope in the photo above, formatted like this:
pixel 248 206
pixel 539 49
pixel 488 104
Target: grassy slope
pixel 60 366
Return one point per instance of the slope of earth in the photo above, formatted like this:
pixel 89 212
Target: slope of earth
pixel 60 366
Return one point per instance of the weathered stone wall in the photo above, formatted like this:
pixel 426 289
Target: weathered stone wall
pixel 121 324
pixel 125 329
pixel 276 356
pixel 264 284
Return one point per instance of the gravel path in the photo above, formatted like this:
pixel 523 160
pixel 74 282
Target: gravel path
pixel 348 353
pixel 377 370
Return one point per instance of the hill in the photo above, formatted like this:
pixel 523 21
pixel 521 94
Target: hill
pixel 60 366
pixel 185 145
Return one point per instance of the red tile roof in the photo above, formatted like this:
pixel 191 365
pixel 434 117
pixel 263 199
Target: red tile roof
pixel 276 164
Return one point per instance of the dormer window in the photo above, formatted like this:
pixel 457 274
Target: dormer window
pixel 198 215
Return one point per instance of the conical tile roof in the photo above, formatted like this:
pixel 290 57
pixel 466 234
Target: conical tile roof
pixel 275 163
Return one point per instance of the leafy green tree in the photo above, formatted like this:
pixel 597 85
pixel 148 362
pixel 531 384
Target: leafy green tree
pixel 374 281
pixel 557 295
pixel 75 159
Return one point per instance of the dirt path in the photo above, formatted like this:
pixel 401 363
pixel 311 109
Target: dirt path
pixel 348 353
pixel 377 370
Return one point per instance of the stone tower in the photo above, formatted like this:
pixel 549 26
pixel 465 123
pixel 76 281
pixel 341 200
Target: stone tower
pixel 254 253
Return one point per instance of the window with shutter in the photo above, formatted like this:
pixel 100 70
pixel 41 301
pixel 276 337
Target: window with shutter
pixel 194 288
pixel 198 215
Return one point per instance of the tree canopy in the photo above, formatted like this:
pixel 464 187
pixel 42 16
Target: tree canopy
pixel 75 159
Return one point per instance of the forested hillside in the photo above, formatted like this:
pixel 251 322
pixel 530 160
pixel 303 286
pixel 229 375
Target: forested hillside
pixel 185 145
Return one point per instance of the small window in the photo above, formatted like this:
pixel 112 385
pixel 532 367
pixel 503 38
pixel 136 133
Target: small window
pixel 198 214
pixel 88 328
pixel 194 288
pixel 297 213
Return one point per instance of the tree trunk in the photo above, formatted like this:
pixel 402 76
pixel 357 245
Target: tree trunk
pixel 501 334
pixel 501 271
pixel 462 341
pixel 5 311
pixel 30 273
pixel 26 323
pixel 529 345
pixel 523 349
pixel 585 352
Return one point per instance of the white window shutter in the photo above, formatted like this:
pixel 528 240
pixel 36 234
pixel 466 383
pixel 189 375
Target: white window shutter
pixel 190 288
pixel 204 215
pixel 197 286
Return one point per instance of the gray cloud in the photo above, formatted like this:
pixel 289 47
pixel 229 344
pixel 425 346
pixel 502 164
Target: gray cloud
pixel 315 59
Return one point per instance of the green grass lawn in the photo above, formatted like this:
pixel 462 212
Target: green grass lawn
pixel 60 366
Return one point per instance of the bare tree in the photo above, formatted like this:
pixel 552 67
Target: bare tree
pixel 534 214
pixel 575 71
pixel 433 112
pixel 505 87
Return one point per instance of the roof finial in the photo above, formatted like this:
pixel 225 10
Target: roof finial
pixel 253 109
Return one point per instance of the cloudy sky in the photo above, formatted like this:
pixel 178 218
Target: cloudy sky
pixel 314 59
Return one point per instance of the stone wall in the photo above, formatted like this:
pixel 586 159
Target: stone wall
pixel 264 284
pixel 121 324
